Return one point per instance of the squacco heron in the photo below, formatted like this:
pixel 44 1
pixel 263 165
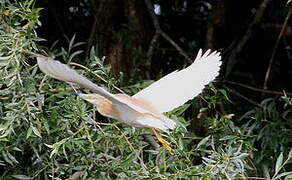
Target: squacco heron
pixel 144 109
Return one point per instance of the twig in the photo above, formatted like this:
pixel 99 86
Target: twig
pixel 150 53
pixel 128 142
pixel 131 147
pixel 57 20
pixel 176 46
pixel 275 49
pixel 152 45
pixel 33 54
pixel 93 29
pixel 160 32
pixel 232 58
pixel 152 14
pixel 257 178
pixel 94 122
pixel 241 96
pixel 288 49
pixel 258 89
pixel 275 27
pixel 210 36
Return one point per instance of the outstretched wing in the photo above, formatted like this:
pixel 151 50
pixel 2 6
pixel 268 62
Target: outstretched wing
pixel 62 72
pixel 178 87
pixel 117 107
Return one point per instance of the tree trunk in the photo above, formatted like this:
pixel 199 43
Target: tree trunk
pixel 121 31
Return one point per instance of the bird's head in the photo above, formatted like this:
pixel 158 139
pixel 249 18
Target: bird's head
pixel 92 98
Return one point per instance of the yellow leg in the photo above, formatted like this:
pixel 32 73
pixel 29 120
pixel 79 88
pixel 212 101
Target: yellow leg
pixel 163 141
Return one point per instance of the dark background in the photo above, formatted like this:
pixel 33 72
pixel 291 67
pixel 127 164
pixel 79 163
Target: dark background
pixel 123 29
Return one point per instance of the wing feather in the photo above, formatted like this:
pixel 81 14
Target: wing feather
pixel 178 87
pixel 62 72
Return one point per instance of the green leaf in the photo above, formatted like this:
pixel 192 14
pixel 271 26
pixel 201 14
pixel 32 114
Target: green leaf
pixel 228 137
pixel 28 133
pixel 54 152
pixel 224 93
pixel 21 176
pixel 12 158
pixel 3 139
pixel 9 158
pixel 180 110
pixel 279 163
pixel 71 43
pixel 289 177
pixel 59 143
pixel 283 174
pixel 266 172
pixel 290 154
pixel 49 146
pixel 203 141
pixel 74 54
pixel 5 157
pixel 17 149
pixel 4 62
pixel 4 57
pixel 180 144
pixel 36 131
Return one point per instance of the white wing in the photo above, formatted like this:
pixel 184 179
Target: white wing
pixel 62 72
pixel 178 87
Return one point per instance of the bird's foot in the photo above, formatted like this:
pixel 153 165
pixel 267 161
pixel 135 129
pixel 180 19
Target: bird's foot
pixel 164 143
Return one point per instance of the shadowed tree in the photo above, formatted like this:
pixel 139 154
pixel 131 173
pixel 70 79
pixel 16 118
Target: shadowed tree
pixel 122 30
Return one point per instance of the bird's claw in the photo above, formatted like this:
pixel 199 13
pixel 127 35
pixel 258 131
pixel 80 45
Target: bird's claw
pixel 164 143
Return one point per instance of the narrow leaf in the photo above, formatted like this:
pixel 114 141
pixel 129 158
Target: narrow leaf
pixel 283 174
pixel 4 57
pixel 279 163
pixel 36 131
pixel 203 141
pixel 54 152
pixel 20 176
pixel 28 133
pixel 12 158
pixel 290 154
pixel 71 43
pixel 74 54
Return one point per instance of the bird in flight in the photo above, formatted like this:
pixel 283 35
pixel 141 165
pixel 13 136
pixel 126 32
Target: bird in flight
pixel 144 109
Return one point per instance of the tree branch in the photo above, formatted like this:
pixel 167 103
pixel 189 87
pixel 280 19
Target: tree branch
pixel 275 49
pixel 241 96
pixel 93 29
pixel 258 89
pixel 232 58
pixel 150 53
pixel 160 32
pixel 152 14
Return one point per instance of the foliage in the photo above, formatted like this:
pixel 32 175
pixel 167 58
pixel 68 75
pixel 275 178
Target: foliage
pixel 46 132
pixel 271 123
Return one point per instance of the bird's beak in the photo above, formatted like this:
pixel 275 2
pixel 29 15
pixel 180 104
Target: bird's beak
pixel 86 97
pixel 92 98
